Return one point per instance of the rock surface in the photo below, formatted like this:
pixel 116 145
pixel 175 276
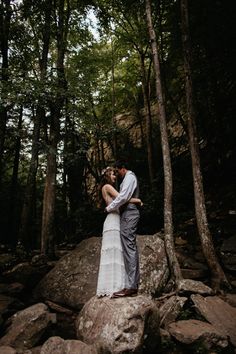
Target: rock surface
pixel 57 345
pixel 26 274
pixel 7 350
pixel 194 286
pixel 194 331
pixel 122 325
pixel 27 327
pixel 73 281
pixel 154 270
pixel 219 313
pixel 170 310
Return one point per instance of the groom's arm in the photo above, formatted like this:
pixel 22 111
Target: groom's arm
pixel 129 185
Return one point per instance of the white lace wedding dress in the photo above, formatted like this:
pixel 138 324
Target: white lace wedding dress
pixel 112 276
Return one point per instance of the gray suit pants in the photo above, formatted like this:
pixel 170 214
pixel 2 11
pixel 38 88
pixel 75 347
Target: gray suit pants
pixel 128 227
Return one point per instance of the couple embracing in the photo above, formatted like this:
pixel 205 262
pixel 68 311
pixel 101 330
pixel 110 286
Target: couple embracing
pixel 119 263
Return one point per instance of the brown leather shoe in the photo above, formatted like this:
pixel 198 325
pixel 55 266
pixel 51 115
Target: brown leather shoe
pixel 125 292
pixel 118 293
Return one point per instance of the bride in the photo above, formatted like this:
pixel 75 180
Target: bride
pixel 112 275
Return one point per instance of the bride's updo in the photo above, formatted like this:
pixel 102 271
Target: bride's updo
pixel 106 176
pixel 105 179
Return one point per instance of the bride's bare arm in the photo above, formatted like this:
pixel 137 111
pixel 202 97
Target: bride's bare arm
pixel 136 201
pixel 110 191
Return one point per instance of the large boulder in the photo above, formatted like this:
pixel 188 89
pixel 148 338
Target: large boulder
pixel 171 309
pixel 26 274
pixel 154 270
pixel 217 312
pixel 189 286
pixel 73 281
pixel 121 325
pixel 57 345
pixel 27 327
pixel 7 350
pixel 198 332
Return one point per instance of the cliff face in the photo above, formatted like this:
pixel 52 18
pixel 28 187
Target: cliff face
pixel 131 135
pixel 133 129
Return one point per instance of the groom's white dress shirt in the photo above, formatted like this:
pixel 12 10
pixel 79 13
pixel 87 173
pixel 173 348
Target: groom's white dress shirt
pixel 127 189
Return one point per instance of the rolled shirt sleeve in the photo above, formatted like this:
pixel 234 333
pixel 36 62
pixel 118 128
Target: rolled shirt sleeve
pixel 128 187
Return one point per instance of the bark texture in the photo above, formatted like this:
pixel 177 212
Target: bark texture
pixel 29 197
pixel 168 183
pixel 48 231
pixel 218 276
pixel 5 19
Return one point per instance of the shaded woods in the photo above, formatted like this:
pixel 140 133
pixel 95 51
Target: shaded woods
pixel 84 83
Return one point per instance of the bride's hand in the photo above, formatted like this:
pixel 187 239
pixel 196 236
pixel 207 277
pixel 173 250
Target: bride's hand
pixel 140 203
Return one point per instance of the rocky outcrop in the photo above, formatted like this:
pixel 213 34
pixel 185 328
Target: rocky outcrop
pixel 60 346
pixel 219 313
pixel 72 282
pixel 170 310
pixel 154 270
pixel 26 274
pixel 7 350
pixel 193 286
pixel 194 331
pixel 141 324
pixel 215 330
pixel 27 327
pixel 121 325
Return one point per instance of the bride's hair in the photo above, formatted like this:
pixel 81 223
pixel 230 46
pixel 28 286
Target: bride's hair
pixel 106 176
pixel 105 179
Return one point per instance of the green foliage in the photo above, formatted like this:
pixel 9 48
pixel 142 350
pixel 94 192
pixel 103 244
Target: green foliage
pixel 103 78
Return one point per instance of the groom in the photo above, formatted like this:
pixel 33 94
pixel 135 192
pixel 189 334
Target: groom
pixel 128 226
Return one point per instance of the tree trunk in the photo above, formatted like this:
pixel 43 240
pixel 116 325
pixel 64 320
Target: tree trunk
pixel 5 18
pixel 29 197
pixel 13 219
pixel 218 276
pixel 47 235
pixel 148 118
pixel 168 221
pixel 30 190
pixel 113 103
pixel 48 232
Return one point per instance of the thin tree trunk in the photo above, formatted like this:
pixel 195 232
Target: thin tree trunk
pixel 13 220
pixel 29 198
pixel 5 18
pixel 218 276
pixel 99 151
pixel 113 104
pixel 148 119
pixel 66 155
pixel 140 120
pixel 48 232
pixel 168 221
pixel 48 215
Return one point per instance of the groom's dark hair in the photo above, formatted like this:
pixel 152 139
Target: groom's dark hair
pixel 121 163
